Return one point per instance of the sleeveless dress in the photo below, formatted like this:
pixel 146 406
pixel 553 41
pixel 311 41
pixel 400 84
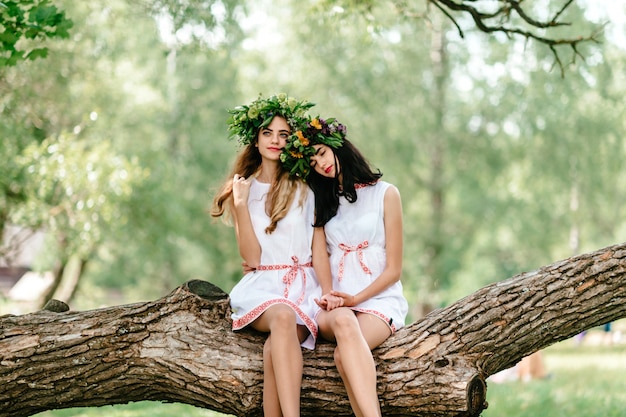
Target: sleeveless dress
pixel 285 275
pixel 356 242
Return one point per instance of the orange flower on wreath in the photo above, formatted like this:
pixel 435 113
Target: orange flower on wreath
pixel 304 141
pixel 316 124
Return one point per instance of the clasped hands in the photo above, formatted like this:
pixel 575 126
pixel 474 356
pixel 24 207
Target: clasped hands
pixel 335 299
pixel 328 302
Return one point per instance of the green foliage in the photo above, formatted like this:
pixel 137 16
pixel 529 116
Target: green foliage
pixel 503 165
pixel 483 197
pixel 585 381
pixel 10 179
pixel 140 409
pixel 246 120
pixel 74 189
pixel 297 154
pixel 26 23
pixel 487 146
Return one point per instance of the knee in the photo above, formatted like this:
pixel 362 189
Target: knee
pixel 345 324
pixel 283 319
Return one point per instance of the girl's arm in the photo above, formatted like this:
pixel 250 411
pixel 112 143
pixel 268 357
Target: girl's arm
pixel 393 240
pixel 249 247
pixel 321 265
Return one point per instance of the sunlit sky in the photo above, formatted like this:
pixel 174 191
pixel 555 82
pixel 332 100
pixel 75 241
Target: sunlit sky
pixel 267 27
pixel 609 10
pixel 264 28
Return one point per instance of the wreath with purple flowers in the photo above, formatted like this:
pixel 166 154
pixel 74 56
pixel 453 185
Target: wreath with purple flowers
pixel 296 156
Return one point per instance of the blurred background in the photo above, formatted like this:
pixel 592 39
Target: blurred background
pixel 113 145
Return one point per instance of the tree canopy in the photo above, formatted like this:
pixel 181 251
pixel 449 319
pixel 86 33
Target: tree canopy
pixel 502 164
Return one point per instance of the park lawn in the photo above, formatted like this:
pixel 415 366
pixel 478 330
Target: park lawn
pixel 139 409
pixel 585 381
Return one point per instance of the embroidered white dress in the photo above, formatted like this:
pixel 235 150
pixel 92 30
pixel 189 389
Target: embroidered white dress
pixel 356 243
pixel 285 275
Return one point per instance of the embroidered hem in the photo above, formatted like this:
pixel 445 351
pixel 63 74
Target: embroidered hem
pixel 254 314
pixel 388 320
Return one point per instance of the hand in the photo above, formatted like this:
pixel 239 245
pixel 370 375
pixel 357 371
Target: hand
pixel 246 268
pixel 348 300
pixel 321 302
pixel 241 190
pixel 329 302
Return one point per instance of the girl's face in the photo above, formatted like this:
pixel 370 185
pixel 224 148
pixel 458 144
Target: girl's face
pixel 272 139
pixel 323 162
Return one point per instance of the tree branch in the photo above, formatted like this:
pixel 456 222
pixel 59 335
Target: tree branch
pixel 501 20
pixel 181 348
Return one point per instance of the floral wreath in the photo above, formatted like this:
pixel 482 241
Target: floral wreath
pixel 296 156
pixel 246 121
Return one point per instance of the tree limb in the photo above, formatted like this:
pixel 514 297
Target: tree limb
pixel 501 19
pixel 181 348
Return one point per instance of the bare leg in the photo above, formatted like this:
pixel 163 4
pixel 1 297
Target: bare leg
pixel 374 330
pixel 271 404
pixel 353 356
pixel 285 354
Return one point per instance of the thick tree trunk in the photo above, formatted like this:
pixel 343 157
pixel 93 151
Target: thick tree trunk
pixel 181 348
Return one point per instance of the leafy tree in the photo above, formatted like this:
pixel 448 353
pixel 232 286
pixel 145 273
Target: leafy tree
pixel 25 25
pixel 467 224
pixel 556 153
pixel 160 98
pixel 74 190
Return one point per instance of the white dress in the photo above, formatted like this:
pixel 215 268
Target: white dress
pixel 285 275
pixel 356 243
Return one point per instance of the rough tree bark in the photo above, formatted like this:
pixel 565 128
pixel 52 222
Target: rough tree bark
pixel 180 348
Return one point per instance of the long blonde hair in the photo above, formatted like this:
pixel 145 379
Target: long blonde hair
pixel 279 199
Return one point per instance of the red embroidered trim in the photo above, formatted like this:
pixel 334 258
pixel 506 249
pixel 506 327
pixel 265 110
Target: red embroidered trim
pixel 291 275
pixel 253 314
pixel 357 186
pixel 379 315
pixel 359 250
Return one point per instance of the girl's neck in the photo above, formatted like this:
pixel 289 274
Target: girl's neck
pixel 267 172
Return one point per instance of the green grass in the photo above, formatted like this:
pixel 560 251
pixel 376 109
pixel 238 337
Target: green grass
pixel 585 381
pixel 139 409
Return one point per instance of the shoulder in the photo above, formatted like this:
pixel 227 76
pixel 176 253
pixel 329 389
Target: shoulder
pixel 385 185
pixel 392 194
pixel 385 188
pixel 389 186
